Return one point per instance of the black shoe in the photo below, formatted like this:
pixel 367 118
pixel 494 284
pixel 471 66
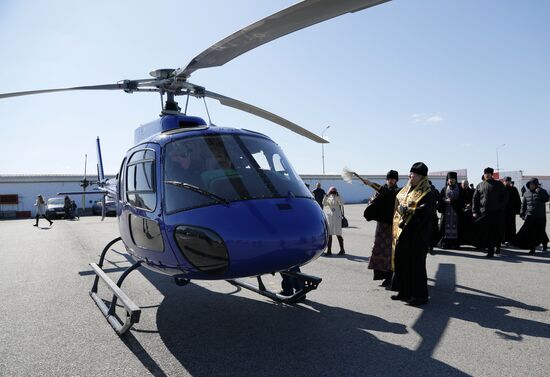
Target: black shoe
pixel 327 254
pixel 286 293
pixel 490 254
pixel 545 247
pixel 417 301
pixel 386 283
pixel 497 250
pixel 35 225
pixel 342 252
pixel 532 251
pixel 400 297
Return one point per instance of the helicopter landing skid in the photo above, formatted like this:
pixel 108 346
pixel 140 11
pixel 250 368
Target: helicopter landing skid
pixel 309 282
pixel 133 312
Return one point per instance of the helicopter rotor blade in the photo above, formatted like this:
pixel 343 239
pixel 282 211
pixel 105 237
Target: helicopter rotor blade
pixel 231 102
pixel 289 20
pixel 126 85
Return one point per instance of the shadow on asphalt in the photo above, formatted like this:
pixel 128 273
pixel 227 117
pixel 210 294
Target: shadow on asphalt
pixel 213 333
pixel 510 255
pixel 217 334
pixel 348 256
pixel 484 308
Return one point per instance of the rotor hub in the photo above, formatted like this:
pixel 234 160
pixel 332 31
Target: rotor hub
pixel 162 73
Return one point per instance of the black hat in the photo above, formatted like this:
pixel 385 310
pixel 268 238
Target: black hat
pixel 452 175
pixel 392 174
pixel 488 171
pixel 508 179
pixel 419 168
pixel 533 180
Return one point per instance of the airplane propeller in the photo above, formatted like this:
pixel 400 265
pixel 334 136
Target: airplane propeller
pixel 174 82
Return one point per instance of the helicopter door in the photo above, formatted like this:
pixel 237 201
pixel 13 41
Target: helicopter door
pixel 141 214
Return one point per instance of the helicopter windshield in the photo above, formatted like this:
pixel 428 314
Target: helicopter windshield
pixel 210 169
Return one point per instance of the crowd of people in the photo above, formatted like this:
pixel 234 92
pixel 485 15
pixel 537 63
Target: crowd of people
pixel 408 226
pixel 485 217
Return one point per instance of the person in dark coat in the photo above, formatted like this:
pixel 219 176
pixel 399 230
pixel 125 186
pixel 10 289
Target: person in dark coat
pixel 533 211
pixel 467 194
pixel 465 234
pixel 488 205
pixel 412 233
pixel 319 194
pixel 380 208
pixel 435 224
pixel 67 207
pixel 512 209
pixel 450 207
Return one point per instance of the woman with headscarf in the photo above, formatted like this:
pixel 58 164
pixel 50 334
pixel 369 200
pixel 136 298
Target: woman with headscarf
pixel 412 233
pixel 380 208
pixel 333 207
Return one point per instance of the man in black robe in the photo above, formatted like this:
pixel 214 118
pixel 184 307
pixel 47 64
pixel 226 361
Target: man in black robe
pixel 533 211
pixel 450 207
pixel 512 209
pixel 467 193
pixel 380 208
pixel 435 222
pixel 488 205
pixel 412 233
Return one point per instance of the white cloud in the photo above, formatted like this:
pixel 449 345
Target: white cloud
pixel 434 119
pixel 426 119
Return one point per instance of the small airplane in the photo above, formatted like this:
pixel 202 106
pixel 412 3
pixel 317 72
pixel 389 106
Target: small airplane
pixel 200 202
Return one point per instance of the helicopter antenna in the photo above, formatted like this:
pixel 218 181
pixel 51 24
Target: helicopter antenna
pixel 186 103
pixel 207 112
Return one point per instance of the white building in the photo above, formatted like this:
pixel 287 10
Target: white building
pixel 18 192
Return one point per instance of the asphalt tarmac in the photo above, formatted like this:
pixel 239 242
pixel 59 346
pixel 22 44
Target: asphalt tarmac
pixel 486 317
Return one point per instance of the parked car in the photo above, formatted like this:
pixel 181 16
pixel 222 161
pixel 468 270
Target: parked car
pixel 110 207
pixel 55 207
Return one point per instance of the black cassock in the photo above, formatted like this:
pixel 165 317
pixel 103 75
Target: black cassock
pixel 410 278
pixel 512 209
pixel 489 202
pixel 450 227
pixel 532 233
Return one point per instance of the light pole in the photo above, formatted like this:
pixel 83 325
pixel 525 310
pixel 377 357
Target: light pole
pixel 323 148
pixel 500 146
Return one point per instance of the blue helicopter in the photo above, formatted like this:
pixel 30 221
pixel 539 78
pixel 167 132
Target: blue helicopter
pixel 200 202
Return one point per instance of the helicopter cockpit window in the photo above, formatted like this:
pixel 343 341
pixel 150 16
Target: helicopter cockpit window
pixel 212 169
pixel 140 180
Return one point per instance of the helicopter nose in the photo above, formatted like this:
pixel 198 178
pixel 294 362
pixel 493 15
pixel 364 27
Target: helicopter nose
pixel 249 238
pixel 267 236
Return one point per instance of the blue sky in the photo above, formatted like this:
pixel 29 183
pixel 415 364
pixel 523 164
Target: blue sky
pixel 444 82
